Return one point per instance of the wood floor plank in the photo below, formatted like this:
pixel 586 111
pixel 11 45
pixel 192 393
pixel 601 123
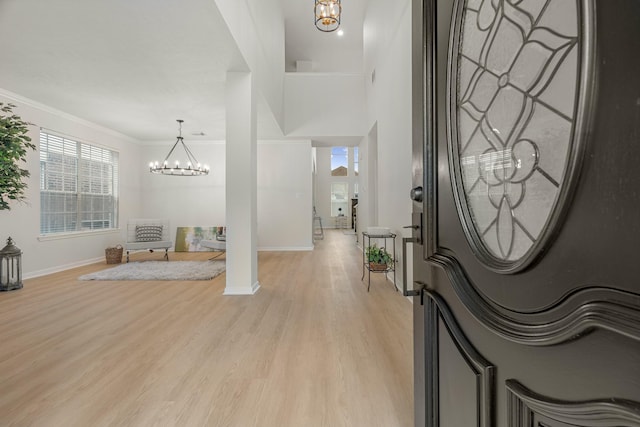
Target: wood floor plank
pixel 311 348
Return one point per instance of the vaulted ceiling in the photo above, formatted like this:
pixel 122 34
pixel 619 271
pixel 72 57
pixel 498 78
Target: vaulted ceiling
pixel 328 52
pixel 137 66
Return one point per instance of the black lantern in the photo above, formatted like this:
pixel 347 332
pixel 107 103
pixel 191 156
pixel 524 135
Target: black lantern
pixel 10 267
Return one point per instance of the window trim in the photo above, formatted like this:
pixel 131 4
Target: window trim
pixel 78 193
pixel 345 201
pixel 76 234
pixel 346 159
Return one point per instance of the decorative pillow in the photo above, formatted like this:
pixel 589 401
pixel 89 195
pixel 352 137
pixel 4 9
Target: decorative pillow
pixel 148 233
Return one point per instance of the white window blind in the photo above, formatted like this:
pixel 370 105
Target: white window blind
pixel 78 186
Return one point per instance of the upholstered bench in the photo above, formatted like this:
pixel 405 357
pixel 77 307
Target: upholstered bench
pixel 148 234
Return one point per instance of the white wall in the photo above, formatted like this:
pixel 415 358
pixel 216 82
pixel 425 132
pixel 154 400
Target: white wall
pixel 284 195
pixel 367 193
pixel 324 104
pixel 22 222
pixel 321 61
pixel 185 201
pixel 382 20
pixel 258 29
pixel 284 192
pixel 388 51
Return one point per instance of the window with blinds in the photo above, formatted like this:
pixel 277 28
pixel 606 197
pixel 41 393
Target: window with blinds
pixel 78 186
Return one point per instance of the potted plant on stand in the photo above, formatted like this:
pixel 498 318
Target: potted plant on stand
pixel 378 258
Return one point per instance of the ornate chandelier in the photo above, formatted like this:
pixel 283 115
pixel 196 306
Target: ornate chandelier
pixel 327 15
pixel 192 168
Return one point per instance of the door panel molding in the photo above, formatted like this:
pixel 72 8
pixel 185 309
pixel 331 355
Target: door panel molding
pixel 436 311
pixel 526 408
pixel 563 289
pixel 572 315
pixel 570 318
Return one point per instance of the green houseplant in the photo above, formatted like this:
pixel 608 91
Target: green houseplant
pixel 14 143
pixel 378 258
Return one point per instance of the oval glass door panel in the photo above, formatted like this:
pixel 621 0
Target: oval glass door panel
pixel 517 110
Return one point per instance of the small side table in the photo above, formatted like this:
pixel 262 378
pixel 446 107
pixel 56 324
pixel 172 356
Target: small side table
pixel 366 242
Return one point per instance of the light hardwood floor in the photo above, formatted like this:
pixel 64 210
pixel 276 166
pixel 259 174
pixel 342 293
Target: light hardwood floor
pixel 311 348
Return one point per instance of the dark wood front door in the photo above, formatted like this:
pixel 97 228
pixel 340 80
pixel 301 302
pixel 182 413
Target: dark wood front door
pixel 527 146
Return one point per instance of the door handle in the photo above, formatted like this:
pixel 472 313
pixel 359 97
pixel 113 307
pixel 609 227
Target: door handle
pixel 405 292
pixel 416 227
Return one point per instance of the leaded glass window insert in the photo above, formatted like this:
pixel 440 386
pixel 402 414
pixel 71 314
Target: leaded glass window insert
pixel 516 86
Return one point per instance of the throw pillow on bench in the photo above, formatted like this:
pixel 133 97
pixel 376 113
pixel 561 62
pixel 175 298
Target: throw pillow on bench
pixel 148 233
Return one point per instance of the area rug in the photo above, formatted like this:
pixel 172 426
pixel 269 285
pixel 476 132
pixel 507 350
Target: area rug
pixel 160 270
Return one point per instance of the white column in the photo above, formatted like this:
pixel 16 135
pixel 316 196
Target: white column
pixel 241 185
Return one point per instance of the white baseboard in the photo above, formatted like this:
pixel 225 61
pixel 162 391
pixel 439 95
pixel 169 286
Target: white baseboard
pixel 242 291
pixel 60 268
